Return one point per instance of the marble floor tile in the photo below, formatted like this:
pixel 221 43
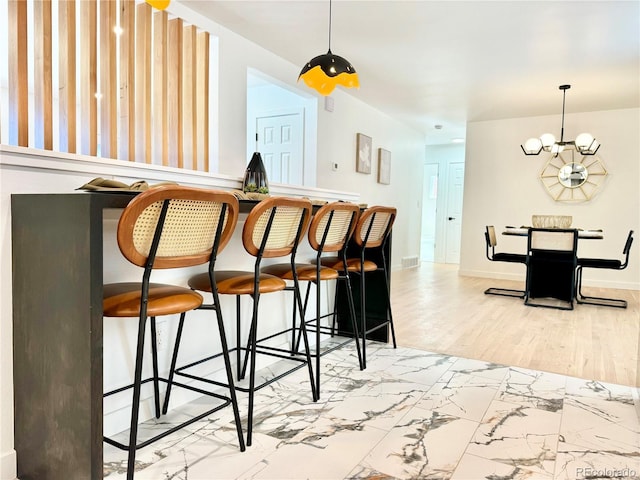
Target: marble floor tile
pixel 518 435
pixel 478 468
pixel 410 415
pixel 461 394
pixel 424 445
pixel 578 462
pixel 537 389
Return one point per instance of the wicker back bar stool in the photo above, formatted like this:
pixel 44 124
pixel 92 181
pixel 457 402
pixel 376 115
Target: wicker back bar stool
pixel 273 229
pixel 372 232
pixel 329 232
pixel 163 228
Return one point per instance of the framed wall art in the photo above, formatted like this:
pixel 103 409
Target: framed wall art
pixel 363 153
pixel 384 166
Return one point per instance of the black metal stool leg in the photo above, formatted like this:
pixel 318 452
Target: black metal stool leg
pixel 363 317
pixel 154 357
pixel 228 369
pixel 305 338
pixel 135 405
pixel 354 320
pixel 388 292
pixel 252 369
pixel 174 358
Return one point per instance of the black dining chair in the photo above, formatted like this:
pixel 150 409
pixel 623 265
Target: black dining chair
pixel 551 266
pixel 603 263
pixel 491 243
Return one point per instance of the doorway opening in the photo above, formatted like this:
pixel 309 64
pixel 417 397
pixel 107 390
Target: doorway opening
pixel 282 126
pixel 442 203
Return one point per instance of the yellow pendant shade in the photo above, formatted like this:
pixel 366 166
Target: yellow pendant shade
pixel 159 4
pixel 324 72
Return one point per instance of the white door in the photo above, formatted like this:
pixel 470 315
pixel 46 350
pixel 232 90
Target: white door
pixel 279 141
pixel 429 204
pixel 453 229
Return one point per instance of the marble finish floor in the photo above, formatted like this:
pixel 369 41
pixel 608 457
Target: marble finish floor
pixel 410 415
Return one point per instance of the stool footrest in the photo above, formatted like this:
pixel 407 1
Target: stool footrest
pixel 605 302
pixel 507 292
pixel 226 401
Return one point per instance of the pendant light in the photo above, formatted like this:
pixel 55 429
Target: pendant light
pixel 159 4
pixel 584 143
pixel 324 72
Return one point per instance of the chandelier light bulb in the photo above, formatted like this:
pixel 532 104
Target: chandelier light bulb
pixel 584 140
pixel 547 140
pixel 533 146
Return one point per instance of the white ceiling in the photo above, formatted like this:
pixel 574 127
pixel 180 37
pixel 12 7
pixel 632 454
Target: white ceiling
pixel 450 62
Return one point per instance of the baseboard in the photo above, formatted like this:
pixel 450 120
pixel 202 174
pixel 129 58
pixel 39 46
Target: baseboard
pixel 8 465
pixel 636 400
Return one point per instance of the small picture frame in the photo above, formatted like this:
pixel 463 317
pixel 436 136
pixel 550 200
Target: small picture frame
pixel 384 166
pixel 363 153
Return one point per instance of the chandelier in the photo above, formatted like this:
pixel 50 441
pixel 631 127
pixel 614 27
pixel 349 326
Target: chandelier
pixel 584 143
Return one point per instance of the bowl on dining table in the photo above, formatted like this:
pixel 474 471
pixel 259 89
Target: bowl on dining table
pixel 551 221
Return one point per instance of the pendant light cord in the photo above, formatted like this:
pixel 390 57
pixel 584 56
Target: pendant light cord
pixel 564 89
pixel 329 26
pixel 564 94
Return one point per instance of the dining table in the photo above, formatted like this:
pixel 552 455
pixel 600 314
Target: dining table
pixel 582 233
pixel 551 276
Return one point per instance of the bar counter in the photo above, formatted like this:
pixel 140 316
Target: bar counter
pixel 58 266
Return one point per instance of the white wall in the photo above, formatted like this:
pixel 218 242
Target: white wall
pixel 337 143
pixel 502 187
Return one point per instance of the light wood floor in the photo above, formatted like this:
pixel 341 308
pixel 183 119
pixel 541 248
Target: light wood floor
pixel 437 310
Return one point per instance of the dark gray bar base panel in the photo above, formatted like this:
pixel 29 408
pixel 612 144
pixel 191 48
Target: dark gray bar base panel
pixel 57 332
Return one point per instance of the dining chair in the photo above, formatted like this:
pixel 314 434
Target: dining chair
pixel 551 265
pixel 329 232
pixel 603 263
pixel 169 227
pixel 372 232
pixel 273 229
pixel 491 242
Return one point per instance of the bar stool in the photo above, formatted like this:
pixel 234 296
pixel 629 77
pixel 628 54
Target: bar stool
pixel 330 230
pixel 163 228
pixel 372 231
pixel 273 229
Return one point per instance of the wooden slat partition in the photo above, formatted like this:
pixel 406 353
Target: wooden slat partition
pixel 143 83
pixel 144 94
pixel 18 77
pixel 127 80
pixel 160 126
pixel 67 75
pixel 108 81
pixel 189 147
pixel 174 92
pixel 42 75
pixel 88 78
pixel 202 102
